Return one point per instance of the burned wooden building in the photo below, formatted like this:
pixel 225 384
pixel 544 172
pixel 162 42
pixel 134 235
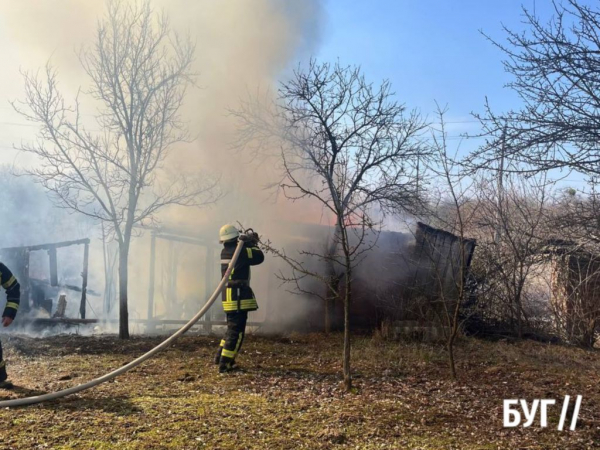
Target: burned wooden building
pixel 574 291
pixel 441 261
pixel 393 277
pixel 180 269
pixel 208 250
pixel 404 278
pixel 42 289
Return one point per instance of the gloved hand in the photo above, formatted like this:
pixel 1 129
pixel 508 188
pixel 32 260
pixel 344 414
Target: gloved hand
pixel 250 236
pixel 254 237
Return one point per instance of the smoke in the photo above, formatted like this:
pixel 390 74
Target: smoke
pixel 242 47
pixel 29 217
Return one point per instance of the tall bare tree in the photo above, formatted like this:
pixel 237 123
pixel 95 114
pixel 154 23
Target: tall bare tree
pixel 349 146
pixel 139 71
pixel 554 69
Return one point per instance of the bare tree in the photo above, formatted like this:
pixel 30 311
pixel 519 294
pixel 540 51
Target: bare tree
pixel 554 69
pixel 455 209
pixel 349 146
pixel 511 229
pixel 575 216
pixel 139 71
pixel 555 73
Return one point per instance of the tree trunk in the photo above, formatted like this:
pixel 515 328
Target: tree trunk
pixel 452 337
pixel 334 280
pixel 331 299
pixel 518 298
pixel 451 357
pixel 327 319
pixel 347 298
pixel 519 320
pixel 123 274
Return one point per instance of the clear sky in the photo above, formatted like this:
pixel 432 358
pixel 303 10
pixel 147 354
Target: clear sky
pixel 429 49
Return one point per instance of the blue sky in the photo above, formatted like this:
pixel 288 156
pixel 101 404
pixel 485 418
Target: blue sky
pixel 430 50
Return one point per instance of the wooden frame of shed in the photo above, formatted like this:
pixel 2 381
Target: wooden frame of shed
pixel 20 257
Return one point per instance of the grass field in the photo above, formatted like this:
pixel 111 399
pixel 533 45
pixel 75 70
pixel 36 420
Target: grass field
pixel 290 396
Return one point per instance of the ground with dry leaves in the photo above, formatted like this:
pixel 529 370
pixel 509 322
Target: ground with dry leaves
pixel 290 397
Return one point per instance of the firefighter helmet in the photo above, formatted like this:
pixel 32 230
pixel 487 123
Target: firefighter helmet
pixel 227 233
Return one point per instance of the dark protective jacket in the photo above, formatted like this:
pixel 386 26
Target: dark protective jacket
pixel 13 291
pixel 239 296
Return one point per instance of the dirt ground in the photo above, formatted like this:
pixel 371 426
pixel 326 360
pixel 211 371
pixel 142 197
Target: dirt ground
pixel 290 397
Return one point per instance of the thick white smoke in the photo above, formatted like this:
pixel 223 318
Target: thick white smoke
pixel 242 47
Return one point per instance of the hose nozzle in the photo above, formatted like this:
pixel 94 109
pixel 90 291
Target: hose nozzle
pixel 250 235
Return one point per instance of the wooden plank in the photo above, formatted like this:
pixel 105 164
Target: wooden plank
pixel 186 240
pixel 49 246
pixel 53 267
pixel 84 282
pixel 58 320
pixel 152 274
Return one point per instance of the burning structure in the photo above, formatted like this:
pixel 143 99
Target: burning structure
pixel 413 276
pixel 442 260
pixel 398 280
pixel 42 294
pixel 401 280
pixel 209 249
pixel 181 268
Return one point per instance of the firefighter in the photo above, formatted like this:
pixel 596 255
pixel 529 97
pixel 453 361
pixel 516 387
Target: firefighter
pixel 238 298
pixel 13 297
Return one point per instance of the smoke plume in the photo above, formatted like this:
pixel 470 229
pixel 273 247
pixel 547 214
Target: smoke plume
pixel 242 47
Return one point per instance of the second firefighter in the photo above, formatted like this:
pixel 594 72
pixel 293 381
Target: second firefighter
pixel 238 298
pixel 13 297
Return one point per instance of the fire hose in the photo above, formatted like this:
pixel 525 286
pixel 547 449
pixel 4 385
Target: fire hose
pixel 145 356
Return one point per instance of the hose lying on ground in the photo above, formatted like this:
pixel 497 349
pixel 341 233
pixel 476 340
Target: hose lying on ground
pixel 135 362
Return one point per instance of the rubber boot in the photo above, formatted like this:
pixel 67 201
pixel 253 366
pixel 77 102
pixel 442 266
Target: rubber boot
pixel 4 383
pixel 225 364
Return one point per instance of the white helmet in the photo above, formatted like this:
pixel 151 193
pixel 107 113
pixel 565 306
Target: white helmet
pixel 227 233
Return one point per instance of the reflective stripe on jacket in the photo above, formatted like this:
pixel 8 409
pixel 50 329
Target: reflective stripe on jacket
pixel 13 292
pixel 238 296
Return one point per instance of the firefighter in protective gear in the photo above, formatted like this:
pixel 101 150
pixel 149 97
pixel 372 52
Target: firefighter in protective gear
pixel 238 298
pixel 13 297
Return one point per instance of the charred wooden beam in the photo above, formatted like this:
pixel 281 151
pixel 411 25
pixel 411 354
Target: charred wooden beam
pixel 70 287
pixel 53 267
pixel 152 274
pixel 62 320
pixel 185 240
pixel 55 245
pixel 84 282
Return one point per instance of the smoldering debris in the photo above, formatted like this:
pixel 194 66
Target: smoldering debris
pixel 43 307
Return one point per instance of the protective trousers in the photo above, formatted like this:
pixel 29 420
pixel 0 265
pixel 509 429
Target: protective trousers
pixel 231 344
pixel 3 375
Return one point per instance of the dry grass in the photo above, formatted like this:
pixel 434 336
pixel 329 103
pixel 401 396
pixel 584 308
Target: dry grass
pixel 290 396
